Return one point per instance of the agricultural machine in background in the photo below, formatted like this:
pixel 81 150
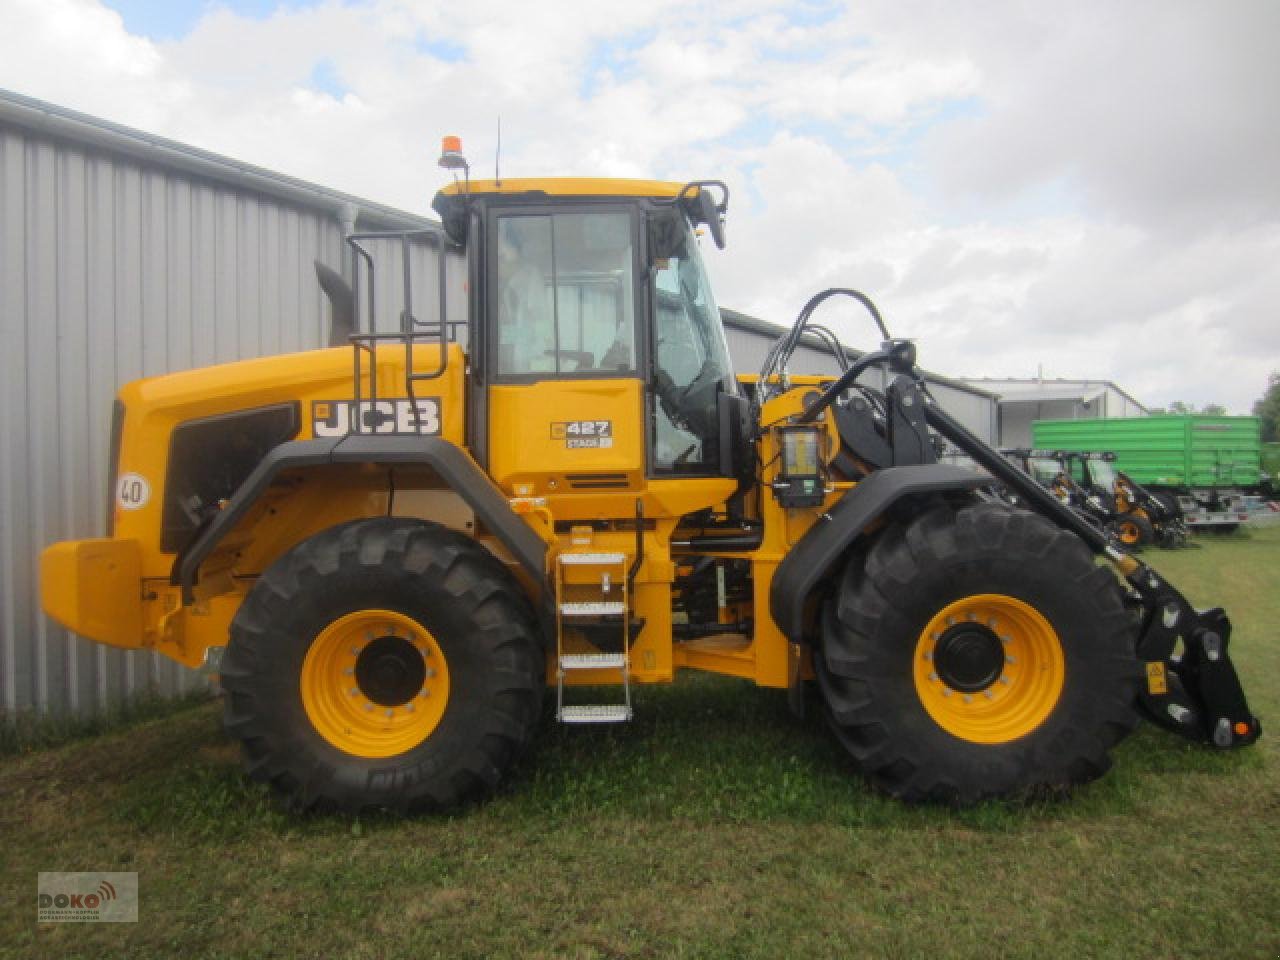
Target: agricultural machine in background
pixel 389 550
pixel 1138 517
pixel 1208 468
pixel 1108 499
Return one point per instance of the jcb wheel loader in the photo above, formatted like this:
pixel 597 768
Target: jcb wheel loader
pixel 388 549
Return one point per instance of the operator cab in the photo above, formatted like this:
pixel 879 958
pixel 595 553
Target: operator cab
pixel 590 300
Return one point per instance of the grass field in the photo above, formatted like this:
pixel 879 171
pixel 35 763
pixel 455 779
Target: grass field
pixel 713 826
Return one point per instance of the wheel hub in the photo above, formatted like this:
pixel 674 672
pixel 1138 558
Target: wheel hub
pixel 390 671
pixel 969 657
pixel 989 668
pixel 374 683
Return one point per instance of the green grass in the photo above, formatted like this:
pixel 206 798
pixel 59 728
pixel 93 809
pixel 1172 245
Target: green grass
pixel 715 825
pixel 27 730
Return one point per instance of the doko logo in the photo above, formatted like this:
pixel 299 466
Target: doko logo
pixel 87 898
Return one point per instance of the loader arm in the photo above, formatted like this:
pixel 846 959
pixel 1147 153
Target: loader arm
pixel 1197 692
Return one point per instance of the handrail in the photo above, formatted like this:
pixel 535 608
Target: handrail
pixel 361 340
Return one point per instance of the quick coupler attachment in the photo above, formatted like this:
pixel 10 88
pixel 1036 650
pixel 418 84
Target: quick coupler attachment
pixel 1194 691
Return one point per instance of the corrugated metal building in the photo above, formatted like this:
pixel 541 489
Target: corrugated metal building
pixel 125 255
pixel 1023 401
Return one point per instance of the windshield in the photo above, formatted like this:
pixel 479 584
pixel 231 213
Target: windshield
pixel 1045 470
pixel 1102 473
pixel 691 362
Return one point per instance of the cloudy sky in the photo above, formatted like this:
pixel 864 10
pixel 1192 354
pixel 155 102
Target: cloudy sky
pixel 1089 188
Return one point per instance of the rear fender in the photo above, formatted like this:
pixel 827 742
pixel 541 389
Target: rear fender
pixel 452 466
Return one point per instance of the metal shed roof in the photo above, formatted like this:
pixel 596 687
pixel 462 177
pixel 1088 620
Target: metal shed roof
pixel 1030 389
pixel 54 121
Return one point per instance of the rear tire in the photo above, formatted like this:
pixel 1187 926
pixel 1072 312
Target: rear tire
pixel 935 586
pixel 383 664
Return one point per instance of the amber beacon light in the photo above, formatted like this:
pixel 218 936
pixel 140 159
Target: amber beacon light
pixel 451 157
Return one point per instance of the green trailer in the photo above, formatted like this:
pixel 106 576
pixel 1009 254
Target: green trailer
pixel 1209 464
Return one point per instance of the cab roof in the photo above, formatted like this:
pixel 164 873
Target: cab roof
pixel 565 187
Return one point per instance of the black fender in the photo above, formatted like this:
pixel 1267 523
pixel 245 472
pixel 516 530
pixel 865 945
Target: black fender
pixel 450 463
pixel 820 550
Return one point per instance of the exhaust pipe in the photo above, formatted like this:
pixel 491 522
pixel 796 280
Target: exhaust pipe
pixel 342 304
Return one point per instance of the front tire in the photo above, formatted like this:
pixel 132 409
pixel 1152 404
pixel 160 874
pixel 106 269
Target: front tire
pixel 1134 529
pixel 977 653
pixel 383 664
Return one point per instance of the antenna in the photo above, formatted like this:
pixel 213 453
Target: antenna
pixel 497 156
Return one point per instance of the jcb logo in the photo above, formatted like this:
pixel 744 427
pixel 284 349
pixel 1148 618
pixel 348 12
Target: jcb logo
pixel 337 418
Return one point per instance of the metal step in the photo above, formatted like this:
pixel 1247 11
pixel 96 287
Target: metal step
pixel 596 713
pixel 594 608
pixel 593 559
pixel 593 661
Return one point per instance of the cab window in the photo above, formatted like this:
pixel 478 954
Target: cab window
pixel 565 295
pixel 691 364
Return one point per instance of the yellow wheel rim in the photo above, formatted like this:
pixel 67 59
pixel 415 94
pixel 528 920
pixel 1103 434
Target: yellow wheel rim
pixel 374 683
pixel 989 668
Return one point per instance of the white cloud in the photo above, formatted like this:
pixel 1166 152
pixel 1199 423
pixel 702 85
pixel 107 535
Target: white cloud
pixel 77 52
pixel 1090 189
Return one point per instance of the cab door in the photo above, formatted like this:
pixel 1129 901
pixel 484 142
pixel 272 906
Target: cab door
pixel 566 394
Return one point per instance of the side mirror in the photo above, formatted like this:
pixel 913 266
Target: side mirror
pixel 709 213
pixel 702 207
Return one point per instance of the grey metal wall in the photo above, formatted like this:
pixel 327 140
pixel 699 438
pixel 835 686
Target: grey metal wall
pixel 111 269
pixel 424 279
pixel 1016 418
pixel 978 412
